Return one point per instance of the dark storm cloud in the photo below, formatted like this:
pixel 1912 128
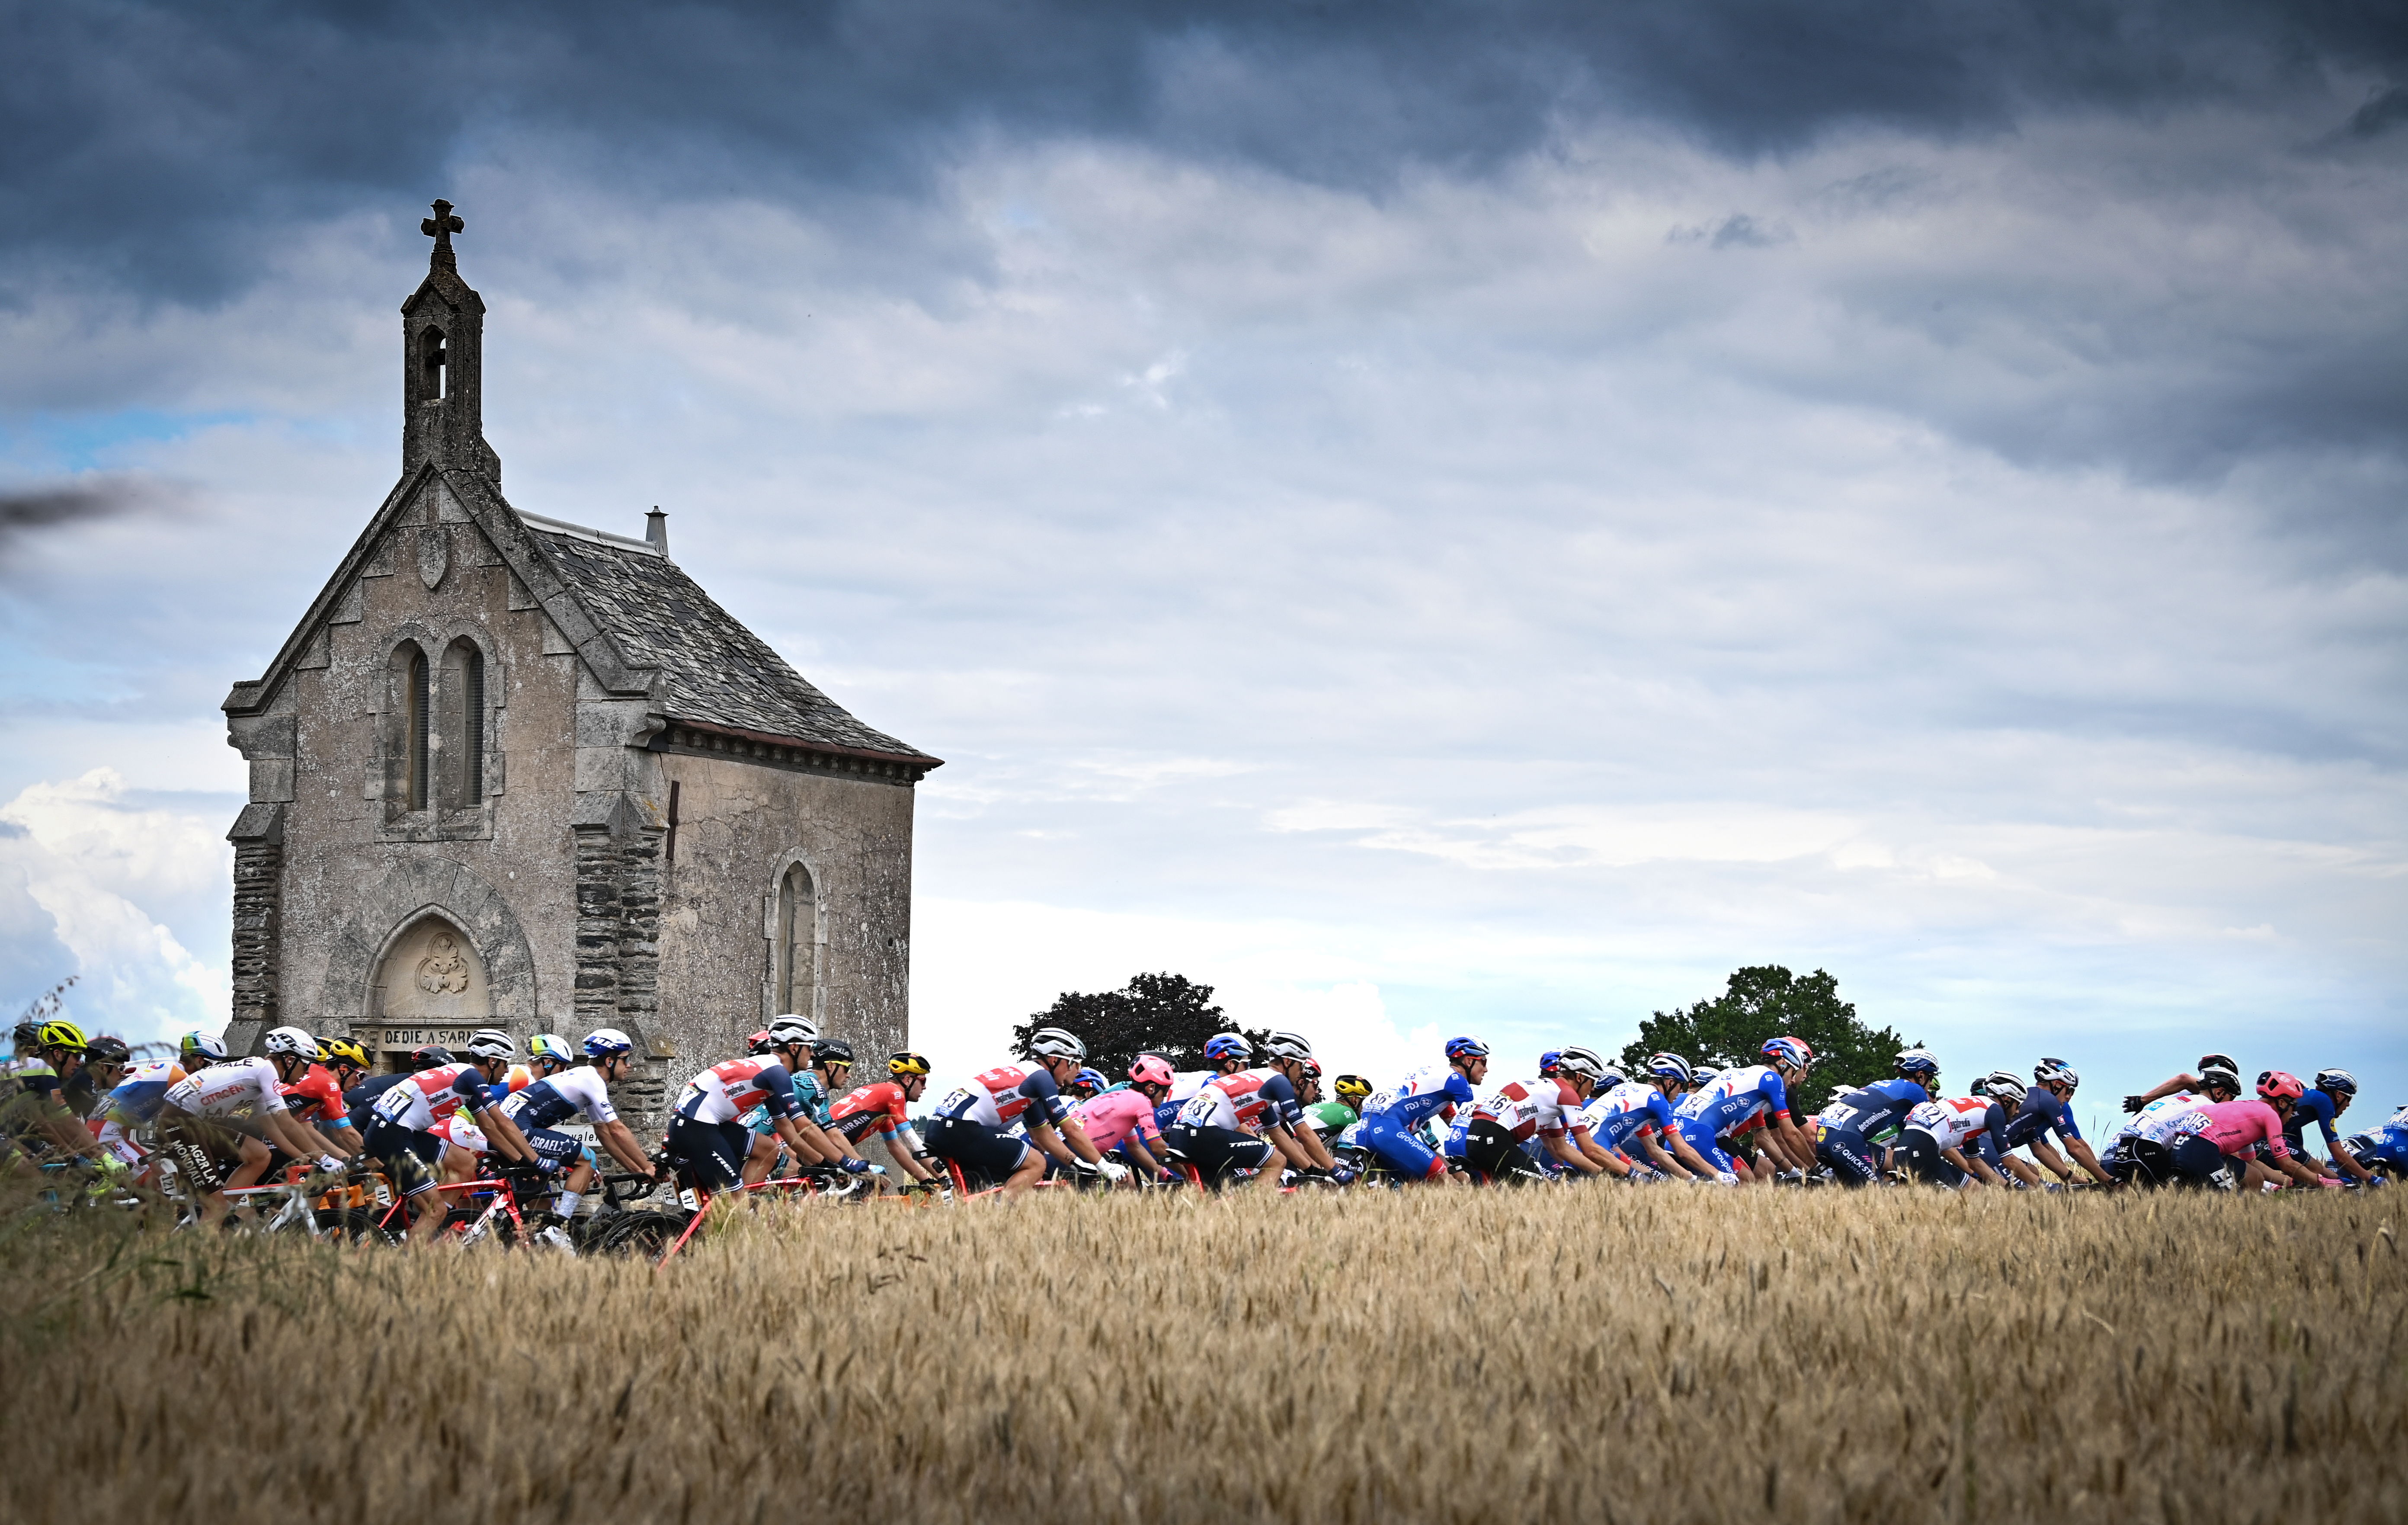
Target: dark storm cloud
pixel 160 145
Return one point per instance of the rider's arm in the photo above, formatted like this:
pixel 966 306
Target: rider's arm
pixel 2088 1159
pixel 620 1141
pixel 1690 1161
pixel 1972 1165
pixel 1308 1151
pixel 1562 1147
pixel 2161 1090
pixel 1146 1164
pixel 1075 1135
pixel 505 1134
pixel 1787 1144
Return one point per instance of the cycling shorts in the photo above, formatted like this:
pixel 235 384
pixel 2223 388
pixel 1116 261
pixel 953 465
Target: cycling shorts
pixel 1700 1131
pixel 1851 1156
pixel 407 1154
pixel 2200 1163
pixel 557 1151
pixel 1924 1161
pixel 715 1152
pixel 1217 1151
pixel 975 1146
pixel 1393 1145
pixel 1491 1150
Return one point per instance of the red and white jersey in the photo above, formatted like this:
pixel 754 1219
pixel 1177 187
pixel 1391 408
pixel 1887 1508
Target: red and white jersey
pixel 1235 1101
pixel 1524 1107
pixel 1953 1121
pixel 995 1097
pixel 316 1097
pixel 725 1092
pixel 460 1134
pixel 245 1087
pixel 430 1096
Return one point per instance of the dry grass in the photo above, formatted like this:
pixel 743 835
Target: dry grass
pixel 1599 1354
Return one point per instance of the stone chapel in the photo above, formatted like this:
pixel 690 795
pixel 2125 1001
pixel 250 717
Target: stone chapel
pixel 512 770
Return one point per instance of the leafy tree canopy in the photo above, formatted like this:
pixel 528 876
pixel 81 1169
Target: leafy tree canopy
pixel 1766 1000
pixel 1153 1013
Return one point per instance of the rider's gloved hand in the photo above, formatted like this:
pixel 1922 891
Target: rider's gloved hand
pixel 331 1164
pixel 2133 1103
pixel 1113 1171
pixel 1343 1175
pixel 1724 1178
pixel 2379 1180
pixel 856 1167
pixel 1087 1168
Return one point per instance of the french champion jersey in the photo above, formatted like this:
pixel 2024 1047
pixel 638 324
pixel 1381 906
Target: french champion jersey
pixel 1735 1096
pixel 138 1097
pixel 558 1097
pixel 1251 1099
pixel 1434 1090
pixel 1630 1111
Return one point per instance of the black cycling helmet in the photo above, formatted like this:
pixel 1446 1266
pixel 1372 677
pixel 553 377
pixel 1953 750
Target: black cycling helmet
pixel 433 1056
pixel 831 1051
pixel 106 1050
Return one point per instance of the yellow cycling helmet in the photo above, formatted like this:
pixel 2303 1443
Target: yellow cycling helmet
pixel 908 1064
pixel 344 1051
pixel 61 1034
pixel 1350 1088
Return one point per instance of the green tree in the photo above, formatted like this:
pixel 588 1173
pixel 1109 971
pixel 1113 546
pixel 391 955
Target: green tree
pixel 1766 1000
pixel 1153 1013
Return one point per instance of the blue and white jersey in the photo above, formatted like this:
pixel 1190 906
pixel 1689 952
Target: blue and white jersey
pixel 556 1099
pixel 2388 1144
pixel 1626 1111
pixel 1877 1110
pixel 2159 1120
pixel 1734 1097
pixel 2042 1113
pixel 1427 1093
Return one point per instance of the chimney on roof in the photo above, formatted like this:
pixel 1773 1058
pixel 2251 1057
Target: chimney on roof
pixel 656 529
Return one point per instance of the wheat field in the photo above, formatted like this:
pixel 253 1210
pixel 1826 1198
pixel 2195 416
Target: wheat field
pixel 1595 1355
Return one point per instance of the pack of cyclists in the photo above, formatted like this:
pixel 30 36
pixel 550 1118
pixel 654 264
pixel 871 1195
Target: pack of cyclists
pixel 785 1111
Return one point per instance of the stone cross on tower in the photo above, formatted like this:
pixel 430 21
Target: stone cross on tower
pixel 440 227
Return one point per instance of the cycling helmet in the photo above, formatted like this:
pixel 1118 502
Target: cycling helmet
pixel 200 1045
pixel 1466 1048
pixel 1790 1051
pixel 552 1046
pixel 1312 1069
pixel 61 1034
pixel 1672 1066
pixel 1549 1060
pixel 1287 1046
pixel 1702 1075
pixel 1608 1078
pixel 793 1031
pixel 1090 1081
pixel 344 1051
pixel 1591 1057
pixel 283 1042
pixel 2280 1085
pixel 433 1056
pixel 2338 1082
pixel 2001 1085
pixel 2053 1071
pixel 1151 1070
pixel 2222 1075
pixel 27 1032
pixel 1228 1045
pixel 492 1044
pixel 106 1050
pixel 759 1043
pixel 1572 1061
pixel 1057 1043
pixel 1914 1063
pixel 608 1042
pixel 2219 1062
pixel 907 1063
pixel 831 1051
pixel 1351 1089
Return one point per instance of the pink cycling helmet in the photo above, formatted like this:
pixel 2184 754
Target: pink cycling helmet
pixel 1150 1070
pixel 2280 1085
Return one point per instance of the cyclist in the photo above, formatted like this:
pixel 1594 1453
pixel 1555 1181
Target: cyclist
pixel 1343 1109
pixel 226 1115
pixel 564 1093
pixel 1392 1119
pixel 884 1108
pixel 1933 1141
pixel 1225 1053
pixel 707 1134
pixel 2383 1145
pixel 1735 1098
pixel 39 1113
pixel 2325 1100
pixel 2215 1143
pixel 1121 1120
pixel 2137 1150
pixel 131 1105
pixel 2046 1108
pixel 106 1060
pixel 1641 1112
pixel 1243 1121
pixel 368 1092
pixel 970 1122
pixel 402 1134
pixel 312 1096
pixel 1493 1138
pixel 2194 1084
pixel 815 1090
pixel 1086 1083
pixel 1854 1132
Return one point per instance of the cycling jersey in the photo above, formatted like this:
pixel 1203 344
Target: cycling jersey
pixel 558 1097
pixel 1434 1090
pixel 1328 1118
pixel 1116 1117
pixel 882 1108
pixel 1001 1095
pixel 1185 1084
pixel 1250 1101
pixel 2043 1112
pixel 2233 1127
pixel 1631 1111
pixel 1528 1108
pixel 2317 1106
pixel 460 1134
pixel 1877 1111
pixel 426 1098
pixel 1732 1097
pixel 725 1092
pixel 518 1077
pixel 364 1097
pixel 1953 1121
pixel 811 1097
pixel 2157 1121
pixel 2388 1144
pixel 138 1097
pixel 317 1098
pixel 227 1088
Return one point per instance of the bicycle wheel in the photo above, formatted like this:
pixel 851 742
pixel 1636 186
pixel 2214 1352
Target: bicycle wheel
pixel 645 1235
pixel 354 1226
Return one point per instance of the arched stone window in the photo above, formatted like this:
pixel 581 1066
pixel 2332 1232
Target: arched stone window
pixel 460 729
pixel 415 691
pixel 432 361
pixel 795 975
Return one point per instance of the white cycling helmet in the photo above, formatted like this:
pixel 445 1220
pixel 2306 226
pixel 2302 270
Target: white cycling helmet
pixel 1287 1046
pixel 298 1043
pixel 1057 1043
pixel 603 1043
pixel 492 1044
pixel 2052 1072
pixel 2001 1085
pixel 1671 1067
pixel 792 1029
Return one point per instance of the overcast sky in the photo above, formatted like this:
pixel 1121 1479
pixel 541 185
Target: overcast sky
pixel 1426 517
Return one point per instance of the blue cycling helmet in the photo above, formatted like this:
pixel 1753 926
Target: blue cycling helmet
pixel 608 1042
pixel 1088 1080
pixel 1670 1066
pixel 1466 1048
pixel 1791 1051
pixel 2336 1082
pixel 1914 1063
pixel 1549 1059
pixel 1228 1045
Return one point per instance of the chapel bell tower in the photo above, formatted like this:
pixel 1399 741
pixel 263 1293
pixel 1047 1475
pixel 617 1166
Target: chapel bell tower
pixel 442 363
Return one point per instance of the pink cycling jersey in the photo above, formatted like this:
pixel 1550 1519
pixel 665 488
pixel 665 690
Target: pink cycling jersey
pixel 2233 1127
pixel 1111 1117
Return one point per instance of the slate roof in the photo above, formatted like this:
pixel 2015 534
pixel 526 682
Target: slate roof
pixel 714 671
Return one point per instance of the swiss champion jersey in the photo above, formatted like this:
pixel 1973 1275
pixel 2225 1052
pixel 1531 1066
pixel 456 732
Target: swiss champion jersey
pixel 881 1107
pixel 1954 1120
pixel 1629 1111
pixel 725 1092
pixel 1434 1090
pixel 228 1087
pixel 1525 1107
pixel 557 1098
pixel 1735 1096
pixel 1252 1100
pixel 426 1098
pixel 1003 1094
pixel 1877 1110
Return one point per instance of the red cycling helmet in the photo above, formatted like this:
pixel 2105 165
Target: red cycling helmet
pixel 2280 1085
pixel 1150 1070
